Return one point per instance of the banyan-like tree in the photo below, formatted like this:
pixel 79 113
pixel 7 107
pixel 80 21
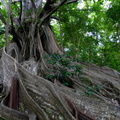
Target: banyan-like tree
pixel 32 89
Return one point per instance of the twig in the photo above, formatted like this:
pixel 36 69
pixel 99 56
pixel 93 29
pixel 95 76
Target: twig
pixel 71 1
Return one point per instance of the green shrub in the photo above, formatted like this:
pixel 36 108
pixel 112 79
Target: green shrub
pixel 63 66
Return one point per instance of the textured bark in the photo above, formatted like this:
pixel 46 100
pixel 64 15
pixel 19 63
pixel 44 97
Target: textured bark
pixel 44 99
pixel 41 95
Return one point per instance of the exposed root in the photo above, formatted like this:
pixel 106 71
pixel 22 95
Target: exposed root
pixel 52 100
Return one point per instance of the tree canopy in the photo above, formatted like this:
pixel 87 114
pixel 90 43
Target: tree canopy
pixel 89 28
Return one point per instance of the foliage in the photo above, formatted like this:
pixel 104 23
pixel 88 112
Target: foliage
pixel 88 32
pixel 114 13
pixel 63 65
pixel 2 118
pixel 90 89
pixel 89 29
pixel 2 30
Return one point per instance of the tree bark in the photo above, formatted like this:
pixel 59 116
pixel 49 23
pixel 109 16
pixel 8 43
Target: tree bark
pixel 44 99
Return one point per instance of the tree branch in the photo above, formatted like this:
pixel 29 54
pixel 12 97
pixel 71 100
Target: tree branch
pixel 33 4
pixel 54 9
pixel 5 5
pixel 25 7
pixel 39 3
pixel 88 10
pixel 85 10
pixel 15 1
pixel 8 23
pixel 56 18
pixel 20 15
pixel 71 1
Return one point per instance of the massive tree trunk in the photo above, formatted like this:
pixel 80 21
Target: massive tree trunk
pixel 23 66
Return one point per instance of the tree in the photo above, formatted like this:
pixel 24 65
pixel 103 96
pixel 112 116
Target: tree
pixel 50 85
pixel 89 30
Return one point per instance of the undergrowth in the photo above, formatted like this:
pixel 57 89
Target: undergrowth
pixel 62 66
